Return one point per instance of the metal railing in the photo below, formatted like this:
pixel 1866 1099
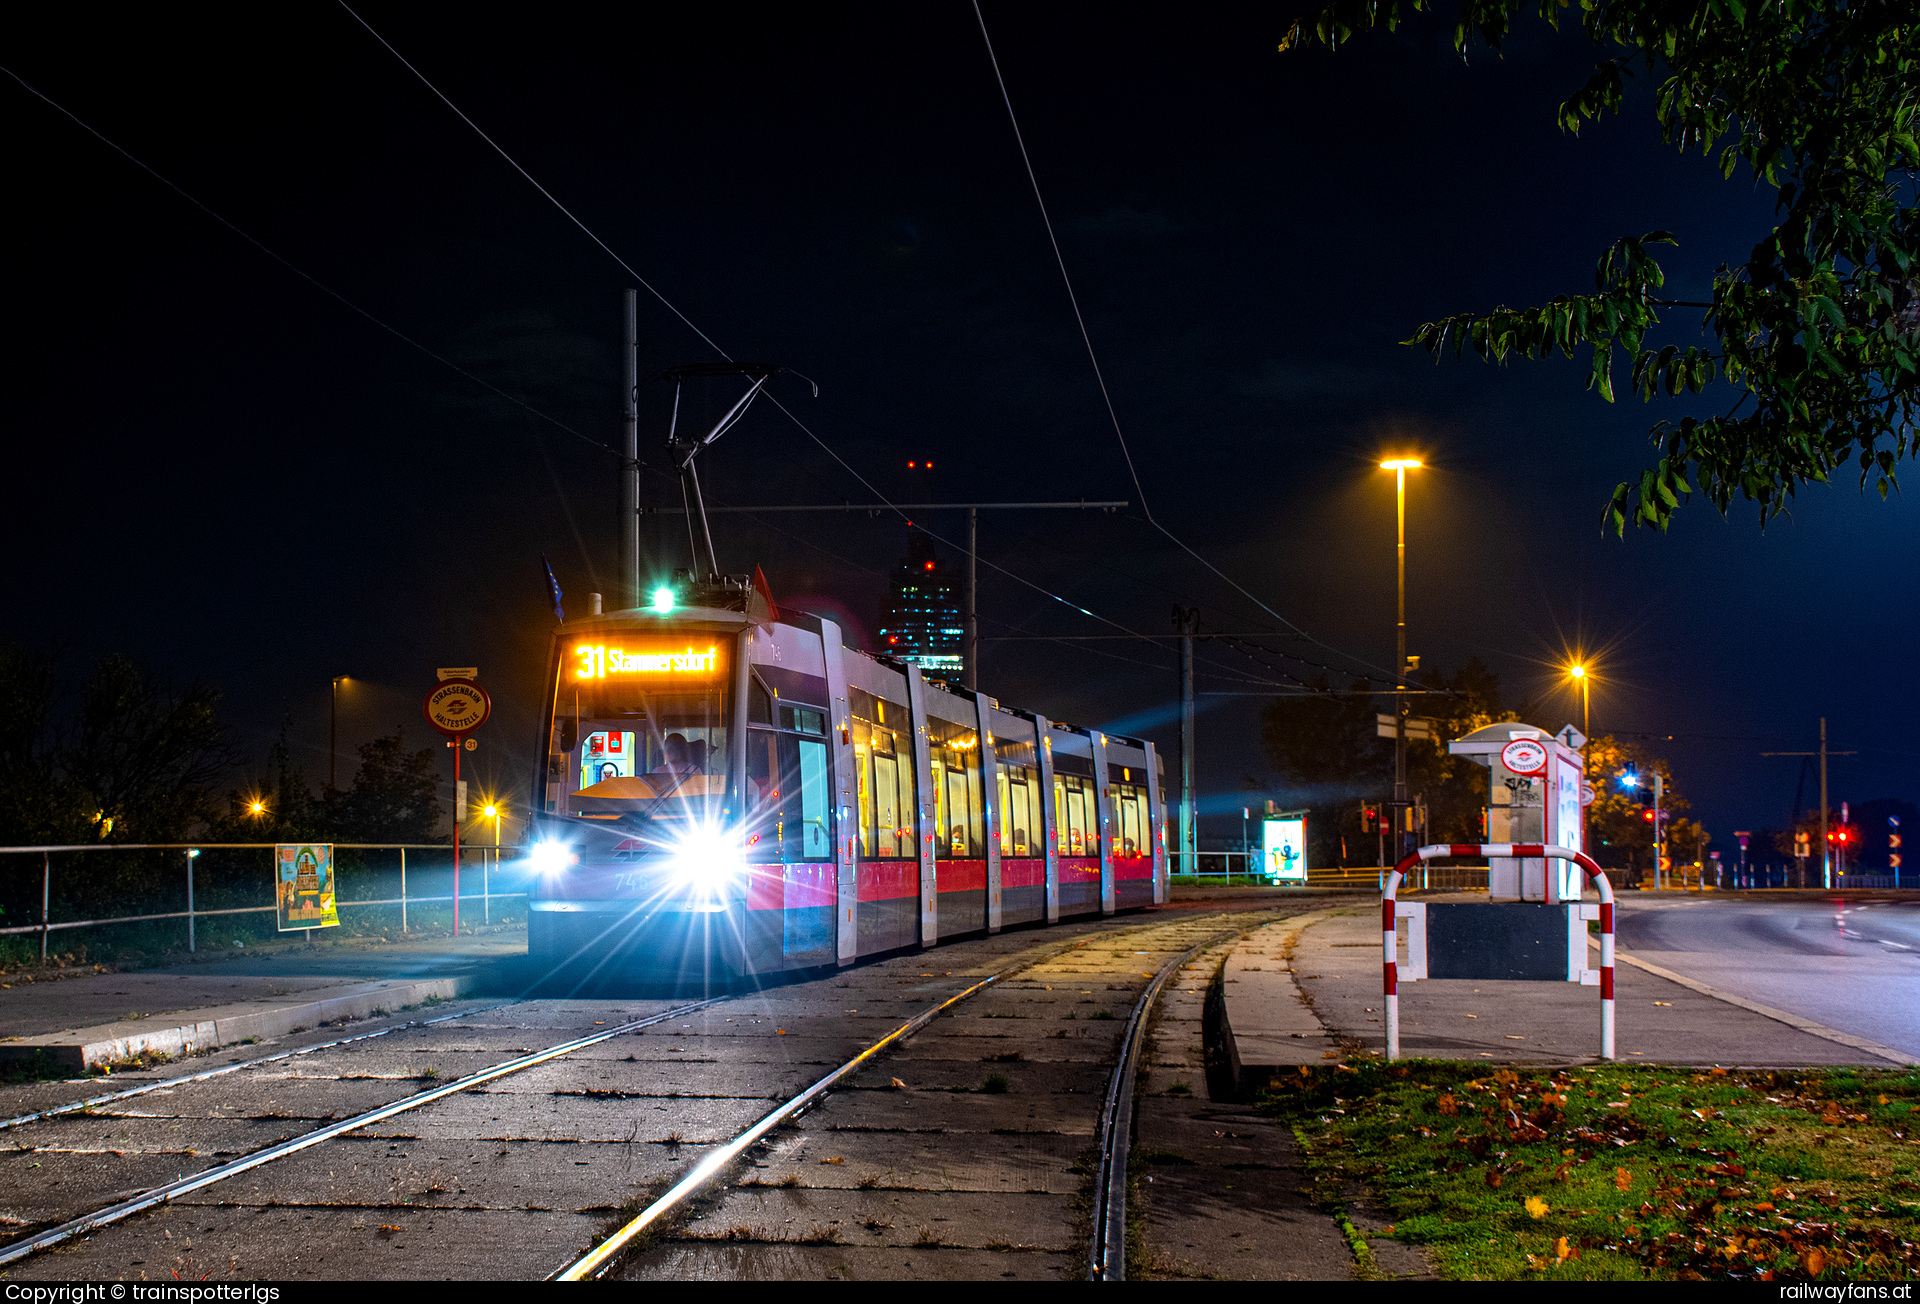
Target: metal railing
pixel 46 926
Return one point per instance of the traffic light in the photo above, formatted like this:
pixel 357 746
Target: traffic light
pixel 1369 818
pixel 1647 815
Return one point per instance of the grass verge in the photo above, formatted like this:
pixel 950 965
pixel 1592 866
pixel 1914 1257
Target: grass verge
pixel 1625 1172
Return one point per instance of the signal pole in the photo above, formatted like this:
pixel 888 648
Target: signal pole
pixel 1826 850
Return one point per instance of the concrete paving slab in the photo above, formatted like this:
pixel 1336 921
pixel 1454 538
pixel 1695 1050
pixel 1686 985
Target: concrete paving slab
pixel 721 1261
pixel 274 1244
pixel 1029 1162
pixel 883 1219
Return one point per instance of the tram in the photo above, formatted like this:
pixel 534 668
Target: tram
pixel 725 788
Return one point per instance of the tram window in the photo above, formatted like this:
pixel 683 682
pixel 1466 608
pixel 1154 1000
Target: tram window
pixel 759 703
pixel 958 805
pixel 1019 811
pixel 802 720
pixel 1078 828
pixel 1130 805
pixel 884 761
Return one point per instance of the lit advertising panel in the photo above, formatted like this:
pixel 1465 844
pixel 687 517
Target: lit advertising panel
pixel 1284 847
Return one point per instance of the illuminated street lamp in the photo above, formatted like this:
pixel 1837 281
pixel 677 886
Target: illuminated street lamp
pixel 333 732
pixel 1580 676
pixel 1400 466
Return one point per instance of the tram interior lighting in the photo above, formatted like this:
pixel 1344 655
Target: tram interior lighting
pixel 552 857
pixel 663 599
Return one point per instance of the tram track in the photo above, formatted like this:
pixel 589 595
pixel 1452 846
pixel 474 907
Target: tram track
pixel 1105 1258
pixel 599 1108
pixel 221 1172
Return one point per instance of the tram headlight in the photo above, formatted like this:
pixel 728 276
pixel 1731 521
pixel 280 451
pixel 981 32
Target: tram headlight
pixel 552 857
pixel 707 858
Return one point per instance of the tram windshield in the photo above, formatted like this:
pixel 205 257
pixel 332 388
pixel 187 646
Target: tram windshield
pixel 639 738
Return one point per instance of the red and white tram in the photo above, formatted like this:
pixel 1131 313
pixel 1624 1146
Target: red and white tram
pixel 727 790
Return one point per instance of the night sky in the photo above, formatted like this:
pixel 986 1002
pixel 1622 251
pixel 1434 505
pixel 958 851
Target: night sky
pixel 219 469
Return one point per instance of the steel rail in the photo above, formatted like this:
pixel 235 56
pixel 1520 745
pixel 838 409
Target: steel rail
pixel 19 1119
pixel 1107 1255
pixel 161 1194
pixel 601 1257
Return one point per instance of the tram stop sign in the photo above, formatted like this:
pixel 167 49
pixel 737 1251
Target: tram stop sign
pixel 456 707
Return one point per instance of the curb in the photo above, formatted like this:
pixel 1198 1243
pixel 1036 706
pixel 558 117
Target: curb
pixel 1803 1024
pixel 84 1048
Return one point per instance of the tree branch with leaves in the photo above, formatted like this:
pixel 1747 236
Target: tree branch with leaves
pixel 1815 337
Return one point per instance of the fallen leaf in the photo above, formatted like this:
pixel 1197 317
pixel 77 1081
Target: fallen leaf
pixel 1886 1100
pixel 1562 1250
pixel 1814 1261
pixel 781 1031
pixel 1493 1179
pixel 1763 1208
pixel 837 1159
pixel 897 1085
pixel 1622 1179
pixel 1473 1016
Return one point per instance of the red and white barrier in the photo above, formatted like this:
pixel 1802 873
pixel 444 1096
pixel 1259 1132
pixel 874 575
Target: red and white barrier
pixel 1519 851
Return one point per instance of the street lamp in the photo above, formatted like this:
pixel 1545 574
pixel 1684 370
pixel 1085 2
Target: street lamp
pixel 333 732
pixel 1580 676
pixel 1400 466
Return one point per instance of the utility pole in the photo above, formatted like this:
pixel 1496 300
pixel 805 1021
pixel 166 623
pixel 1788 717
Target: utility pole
pixel 630 481
pixel 1826 853
pixel 1188 621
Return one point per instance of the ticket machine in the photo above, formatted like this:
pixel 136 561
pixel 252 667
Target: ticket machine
pixel 1534 795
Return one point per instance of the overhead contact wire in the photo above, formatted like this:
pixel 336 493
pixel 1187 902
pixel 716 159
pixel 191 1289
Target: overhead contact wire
pixel 1087 339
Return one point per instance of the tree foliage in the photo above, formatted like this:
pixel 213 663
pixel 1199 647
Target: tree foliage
pixel 1329 744
pixel 1814 339
pixel 127 759
pixel 1618 832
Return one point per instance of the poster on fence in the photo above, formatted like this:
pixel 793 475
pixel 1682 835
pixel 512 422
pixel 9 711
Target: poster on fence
pixel 303 886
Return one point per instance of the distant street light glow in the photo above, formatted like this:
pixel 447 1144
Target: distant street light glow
pixel 1401 464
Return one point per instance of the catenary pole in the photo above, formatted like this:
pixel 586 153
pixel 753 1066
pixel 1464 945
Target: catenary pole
pixel 970 648
pixel 630 481
pixel 1188 619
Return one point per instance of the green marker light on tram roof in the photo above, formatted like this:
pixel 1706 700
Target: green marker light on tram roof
pixel 663 599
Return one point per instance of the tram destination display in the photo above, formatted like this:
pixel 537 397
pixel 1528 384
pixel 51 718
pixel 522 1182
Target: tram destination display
pixel 303 894
pixel 645 660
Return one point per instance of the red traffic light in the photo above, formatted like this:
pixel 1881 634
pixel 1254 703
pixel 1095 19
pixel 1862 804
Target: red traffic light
pixel 1647 815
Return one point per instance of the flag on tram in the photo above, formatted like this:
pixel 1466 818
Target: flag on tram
pixel 553 586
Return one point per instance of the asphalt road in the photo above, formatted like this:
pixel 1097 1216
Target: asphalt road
pixel 1853 965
